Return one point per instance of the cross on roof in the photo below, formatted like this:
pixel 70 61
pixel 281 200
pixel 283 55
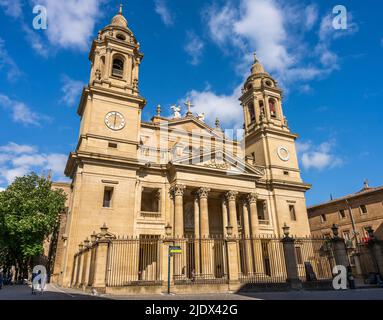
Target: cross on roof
pixel 189 105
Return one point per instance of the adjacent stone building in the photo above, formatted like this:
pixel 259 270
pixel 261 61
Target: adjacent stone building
pixel 353 214
pixel 141 178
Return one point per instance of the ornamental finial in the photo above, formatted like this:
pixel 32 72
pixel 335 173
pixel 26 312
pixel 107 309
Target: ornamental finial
pixel 120 11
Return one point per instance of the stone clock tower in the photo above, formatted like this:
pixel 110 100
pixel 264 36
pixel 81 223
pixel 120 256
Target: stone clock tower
pixel 270 143
pixel 112 101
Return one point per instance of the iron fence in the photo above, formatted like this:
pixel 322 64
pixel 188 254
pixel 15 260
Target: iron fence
pixel 315 259
pixel 261 260
pixel 134 261
pixel 202 261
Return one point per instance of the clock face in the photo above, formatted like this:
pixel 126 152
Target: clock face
pixel 115 120
pixel 283 153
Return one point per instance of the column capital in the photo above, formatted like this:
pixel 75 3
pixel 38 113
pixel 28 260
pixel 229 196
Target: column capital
pixel 252 198
pixel 203 193
pixel 177 190
pixel 231 195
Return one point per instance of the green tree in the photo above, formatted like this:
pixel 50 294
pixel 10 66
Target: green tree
pixel 29 213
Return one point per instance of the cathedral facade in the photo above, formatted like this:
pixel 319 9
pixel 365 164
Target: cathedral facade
pixel 176 174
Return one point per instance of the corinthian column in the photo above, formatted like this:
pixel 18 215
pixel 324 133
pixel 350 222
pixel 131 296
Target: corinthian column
pixel 231 198
pixel 252 200
pixel 178 192
pixel 203 194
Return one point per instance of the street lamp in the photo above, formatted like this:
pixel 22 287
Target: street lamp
pixel 229 230
pixel 370 232
pixel 286 230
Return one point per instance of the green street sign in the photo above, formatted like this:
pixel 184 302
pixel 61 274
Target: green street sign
pixel 175 249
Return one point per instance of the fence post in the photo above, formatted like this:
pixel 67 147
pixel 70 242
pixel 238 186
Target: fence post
pixel 290 260
pixel 232 258
pixel 339 248
pixel 101 261
pixel 376 247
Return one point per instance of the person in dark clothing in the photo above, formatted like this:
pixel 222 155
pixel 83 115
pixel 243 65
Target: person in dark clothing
pixel 1 279
pixel 350 278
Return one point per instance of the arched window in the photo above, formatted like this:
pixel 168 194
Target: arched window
pixel 121 37
pixel 251 111
pixel 261 108
pixel 118 67
pixel 273 110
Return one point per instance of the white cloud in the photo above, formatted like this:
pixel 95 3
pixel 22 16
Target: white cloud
pixel 318 157
pixel 12 147
pixel 6 62
pixel 311 14
pixel 71 23
pixel 224 107
pixel 277 31
pixel 18 160
pixel 194 47
pixel 163 11
pixel 12 8
pixel 21 113
pixel 2 189
pixel 71 89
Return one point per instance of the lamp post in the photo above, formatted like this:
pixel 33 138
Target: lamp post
pixel 229 230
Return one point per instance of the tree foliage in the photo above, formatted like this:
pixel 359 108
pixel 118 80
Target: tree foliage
pixel 29 211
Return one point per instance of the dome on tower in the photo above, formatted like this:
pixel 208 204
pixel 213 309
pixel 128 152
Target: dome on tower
pixel 257 68
pixel 119 20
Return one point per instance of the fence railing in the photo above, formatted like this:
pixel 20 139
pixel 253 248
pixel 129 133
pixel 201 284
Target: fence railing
pixel 315 259
pixel 202 261
pixel 261 260
pixel 134 262
pixel 108 261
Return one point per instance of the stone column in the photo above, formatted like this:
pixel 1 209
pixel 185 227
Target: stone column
pixel 246 237
pixel 252 200
pixel 179 259
pixel 178 192
pixel 197 235
pixel 206 244
pixel 203 194
pixel 224 216
pixel 231 198
pixel 291 263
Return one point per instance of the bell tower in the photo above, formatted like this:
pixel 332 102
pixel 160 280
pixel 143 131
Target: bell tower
pixel 111 105
pixel 268 139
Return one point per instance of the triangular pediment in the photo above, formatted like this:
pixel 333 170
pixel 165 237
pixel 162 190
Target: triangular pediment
pixel 219 160
pixel 191 124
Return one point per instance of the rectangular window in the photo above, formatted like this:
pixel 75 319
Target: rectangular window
pixel 150 201
pixel 323 218
pixel 342 214
pixel 286 173
pixel 262 212
pixel 293 215
pixel 107 201
pixel 363 209
pixel 298 252
pixel 112 145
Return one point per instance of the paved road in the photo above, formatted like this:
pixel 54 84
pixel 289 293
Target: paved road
pixel 55 293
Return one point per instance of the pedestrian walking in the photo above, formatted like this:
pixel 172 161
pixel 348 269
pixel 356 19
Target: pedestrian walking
pixel 1 279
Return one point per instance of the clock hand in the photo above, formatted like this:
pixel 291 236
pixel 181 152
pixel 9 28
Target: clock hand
pixel 115 118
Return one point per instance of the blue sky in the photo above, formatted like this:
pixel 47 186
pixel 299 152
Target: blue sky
pixel 202 49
